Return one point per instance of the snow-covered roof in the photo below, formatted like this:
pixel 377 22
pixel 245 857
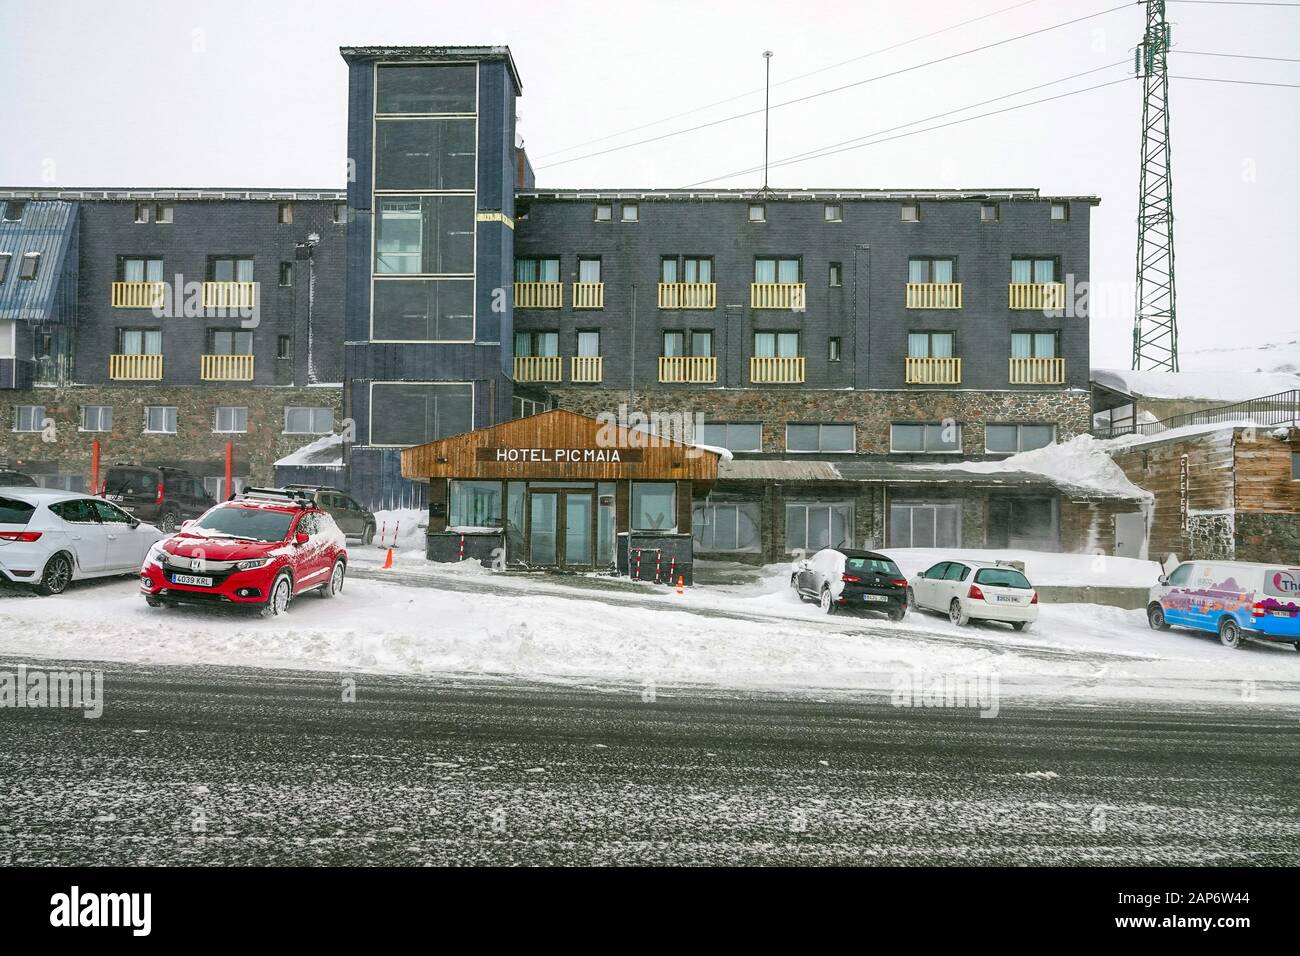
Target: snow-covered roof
pixel 324 452
pixel 777 469
pixel 1196 386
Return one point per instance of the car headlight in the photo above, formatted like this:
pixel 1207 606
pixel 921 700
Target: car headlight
pixel 156 555
pixel 252 563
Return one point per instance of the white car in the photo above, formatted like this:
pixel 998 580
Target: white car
pixel 50 538
pixel 980 590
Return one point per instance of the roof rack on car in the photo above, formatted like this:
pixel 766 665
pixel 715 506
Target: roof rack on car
pixel 288 495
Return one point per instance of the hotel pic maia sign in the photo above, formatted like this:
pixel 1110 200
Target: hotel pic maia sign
pixel 554 456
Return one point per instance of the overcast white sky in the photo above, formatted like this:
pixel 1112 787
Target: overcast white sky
pixel 253 93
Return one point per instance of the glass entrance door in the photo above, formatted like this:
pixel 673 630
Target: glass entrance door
pixel 543 527
pixel 561 528
pixel 577 528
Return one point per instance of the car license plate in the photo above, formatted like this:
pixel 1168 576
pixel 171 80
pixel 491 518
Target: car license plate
pixel 1280 613
pixel 875 597
pixel 113 497
pixel 193 579
pixel 1006 597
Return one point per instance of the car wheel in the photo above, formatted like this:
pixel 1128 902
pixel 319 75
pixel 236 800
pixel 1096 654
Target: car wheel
pixel 1156 618
pixel 335 584
pixel 281 595
pixel 368 535
pixel 897 614
pixel 1020 625
pixel 1230 633
pixel 169 522
pixel 57 575
pixel 911 601
pixel 956 614
pixel 826 603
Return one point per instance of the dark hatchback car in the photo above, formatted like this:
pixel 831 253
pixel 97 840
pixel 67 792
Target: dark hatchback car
pixel 160 496
pixel 839 579
pixel 353 520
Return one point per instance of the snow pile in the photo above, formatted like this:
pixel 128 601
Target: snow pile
pixel 1279 356
pixel 1043 568
pixel 402 528
pixel 1205 386
pixel 324 452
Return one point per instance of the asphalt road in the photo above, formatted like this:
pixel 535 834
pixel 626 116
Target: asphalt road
pixel 196 765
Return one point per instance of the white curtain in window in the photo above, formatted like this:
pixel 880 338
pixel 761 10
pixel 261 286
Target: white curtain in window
pixel 764 270
pixel 1045 344
pixel 941 345
pixel 918 270
pixel 589 270
pixel 1044 270
pixel 1021 345
pixel 941 270
pixel 1020 271
pixel 668 270
pixel 674 344
pixel 133 270
pixel 787 270
pixel 764 345
pixel 588 344
pixel 918 345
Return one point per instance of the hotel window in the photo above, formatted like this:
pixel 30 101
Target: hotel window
pixel 924 525
pixel 340 213
pixel 139 342
pixel 164 214
pixel 8 338
pixel 837 275
pixel 827 438
pixel 813 525
pixel 833 349
pixel 284 213
pixel 832 213
pixel 160 419
pixel 1060 211
pixel 421 154
pixel 230 269
pixel 989 212
pixel 529 344
pixel 922 269
pixel 690 268
pixel 31 264
pixel 1033 345
pixel 537 270
pixel 425 235
pixel 776 344
pixel 284 347
pixel 230 342
pixel 588 270
pixel 604 212
pixel 4 265
pixel 13 211
pixel 286 274
pixel 588 344
pixel 631 212
pixel 924 438
pixel 726 526
pixel 427 88
pixel 139 269
pixel 300 420
pixel 929 344
pixel 230 418
pixel 96 418
pixel 910 212
pixel 734 436
pixel 28 418
pixel 1012 439
pixel 523 407
pixel 778 270
pixel 1033 270
pixel 654 506
pixel 143 212
pixel 757 212
pixel 475 504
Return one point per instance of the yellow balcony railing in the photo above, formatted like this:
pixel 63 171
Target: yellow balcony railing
pixel 139 295
pixel 779 371
pixel 586 368
pixel 1037 371
pixel 688 369
pixel 539 295
pixel 934 295
pixel 688 295
pixel 933 371
pixel 229 295
pixel 1036 295
pixel 589 295
pixel 135 368
pixel 538 368
pixel 777 295
pixel 226 368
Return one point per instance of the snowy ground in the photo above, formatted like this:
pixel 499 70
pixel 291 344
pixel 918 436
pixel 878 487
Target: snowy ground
pixel 437 619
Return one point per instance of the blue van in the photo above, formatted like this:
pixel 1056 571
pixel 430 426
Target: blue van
pixel 1233 599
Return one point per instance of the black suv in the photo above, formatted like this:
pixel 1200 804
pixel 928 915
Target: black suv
pixel 352 519
pixel 159 496
pixel 840 578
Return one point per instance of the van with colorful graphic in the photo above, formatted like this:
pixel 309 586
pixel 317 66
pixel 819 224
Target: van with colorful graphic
pixel 1233 599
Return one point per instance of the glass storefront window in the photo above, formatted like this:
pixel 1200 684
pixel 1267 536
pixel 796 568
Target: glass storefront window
pixel 475 504
pixel 812 525
pixel 726 526
pixel 654 506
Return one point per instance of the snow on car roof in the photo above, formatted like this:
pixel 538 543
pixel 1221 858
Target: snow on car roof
pixel 43 495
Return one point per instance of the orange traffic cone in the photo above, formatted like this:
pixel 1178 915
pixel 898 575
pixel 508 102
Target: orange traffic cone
pixel 388 559
pixel 679 584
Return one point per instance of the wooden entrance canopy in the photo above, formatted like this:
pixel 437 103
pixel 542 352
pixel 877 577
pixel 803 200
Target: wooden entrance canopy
pixel 560 444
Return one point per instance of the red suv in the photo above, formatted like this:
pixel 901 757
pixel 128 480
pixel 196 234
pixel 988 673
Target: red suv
pixel 261 549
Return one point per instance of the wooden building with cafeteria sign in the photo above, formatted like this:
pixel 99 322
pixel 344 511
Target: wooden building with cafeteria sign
pixel 565 491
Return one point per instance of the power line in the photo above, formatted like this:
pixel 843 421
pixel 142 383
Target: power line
pixel 793 79
pixel 820 150
pixel 1215 79
pixel 1238 56
pixel 957 122
pixel 837 89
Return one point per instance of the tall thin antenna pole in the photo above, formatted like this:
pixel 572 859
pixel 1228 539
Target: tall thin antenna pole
pixel 767 104
pixel 1155 325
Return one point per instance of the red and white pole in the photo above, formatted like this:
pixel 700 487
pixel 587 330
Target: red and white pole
pixel 94 467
